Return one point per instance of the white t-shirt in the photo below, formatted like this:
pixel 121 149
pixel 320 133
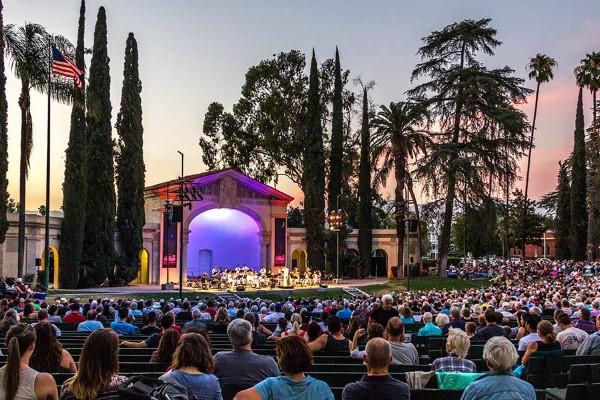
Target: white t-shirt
pixel 525 340
pixel 571 338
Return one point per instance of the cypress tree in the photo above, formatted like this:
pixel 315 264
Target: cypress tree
pixel 98 245
pixel 578 228
pixel 75 184
pixel 130 167
pixel 336 158
pixel 563 214
pixel 365 240
pixel 313 176
pixel 3 135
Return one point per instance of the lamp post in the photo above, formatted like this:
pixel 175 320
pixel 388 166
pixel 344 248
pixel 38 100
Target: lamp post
pixel 335 219
pixel 181 230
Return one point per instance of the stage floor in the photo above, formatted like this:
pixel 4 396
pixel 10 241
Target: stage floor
pixel 145 289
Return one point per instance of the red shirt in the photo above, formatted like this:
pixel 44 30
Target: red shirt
pixel 74 317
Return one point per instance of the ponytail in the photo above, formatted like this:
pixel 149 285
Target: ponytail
pixel 13 366
pixel 296 328
pixel 20 337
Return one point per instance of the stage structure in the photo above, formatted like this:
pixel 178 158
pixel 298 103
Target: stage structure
pixel 231 220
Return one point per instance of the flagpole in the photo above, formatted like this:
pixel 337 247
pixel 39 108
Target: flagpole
pixel 46 275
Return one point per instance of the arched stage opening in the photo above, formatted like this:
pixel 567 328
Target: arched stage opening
pixel 143 275
pixel 379 263
pixel 222 237
pixel 299 259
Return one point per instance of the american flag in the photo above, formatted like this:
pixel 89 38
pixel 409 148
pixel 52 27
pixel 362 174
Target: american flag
pixel 62 65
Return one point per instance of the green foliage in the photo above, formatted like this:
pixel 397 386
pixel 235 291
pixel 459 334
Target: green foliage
pixel 3 136
pixel 98 245
pixel 295 217
pixel 563 214
pixel 477 227
pixel 130 168
pixel 27 50
pixel 313 177
pixel 578 196
pixel 75 183
pixel 365 218
pixel 398 136
pixel 474 117
pixel 336 155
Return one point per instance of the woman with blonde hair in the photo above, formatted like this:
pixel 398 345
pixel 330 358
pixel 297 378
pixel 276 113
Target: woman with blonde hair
pixel 457 347
pixel 98 375
pixel 18 380
pixel 442 320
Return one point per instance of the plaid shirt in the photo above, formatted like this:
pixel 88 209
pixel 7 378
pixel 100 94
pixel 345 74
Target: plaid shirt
pixel 452 363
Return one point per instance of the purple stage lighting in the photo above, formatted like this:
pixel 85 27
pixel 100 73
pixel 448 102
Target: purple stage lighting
pixel 222 237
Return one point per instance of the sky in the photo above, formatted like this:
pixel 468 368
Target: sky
pixel 194 52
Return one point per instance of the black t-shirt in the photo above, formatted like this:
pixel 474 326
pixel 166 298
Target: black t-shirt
pixel 489 331
pixel 153 340
pixel 382 316
pixel 150 330
pixel 376 387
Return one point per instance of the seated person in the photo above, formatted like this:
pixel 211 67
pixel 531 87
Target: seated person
pixel 500 356
pixel 378 383
pixel 23 289
pixel 373 331
pixel 402 353
pixel 122 327
pixel 294 358
pixel 91 324
pixel 591 345
pixel 457 346
pixel 547 341
pixel 335 341
pixel 430 329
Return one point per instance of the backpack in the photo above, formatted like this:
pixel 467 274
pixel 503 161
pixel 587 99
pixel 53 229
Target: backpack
pixel 145 388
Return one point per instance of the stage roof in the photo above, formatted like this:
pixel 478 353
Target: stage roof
pixel 170 188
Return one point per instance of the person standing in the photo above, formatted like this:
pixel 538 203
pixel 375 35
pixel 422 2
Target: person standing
pixel 384 313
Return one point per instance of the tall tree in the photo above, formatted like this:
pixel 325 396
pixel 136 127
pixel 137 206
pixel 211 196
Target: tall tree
pixel 587 75
pixel 130 168
pixel 336 158
pixel 365 225
pixel 28 50
pixel 563 213
pixel 75 183
pixel 578 229
pixel 469 102
pixel 398 137
pixel 98 245
pixel 540 69
pixel 313 176
pixel 3 135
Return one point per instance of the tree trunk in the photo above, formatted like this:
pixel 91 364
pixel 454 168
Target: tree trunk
pixel 524 226
pixel 400 203
pixel 24 104
pixel 594 184
pixel 418 217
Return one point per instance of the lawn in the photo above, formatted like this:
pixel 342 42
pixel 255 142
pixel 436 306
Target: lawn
pixel 421 283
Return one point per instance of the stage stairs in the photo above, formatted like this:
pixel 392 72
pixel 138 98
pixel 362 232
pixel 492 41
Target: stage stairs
pixel 226 297
pixel 354 292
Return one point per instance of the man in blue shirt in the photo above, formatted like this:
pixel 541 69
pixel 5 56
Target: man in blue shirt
pixel 344 313
pixel 91 324
pixel 122 327
pixel 430 329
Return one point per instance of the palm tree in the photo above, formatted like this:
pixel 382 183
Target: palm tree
pixel 540 68
pixel 587 75
pixel 398 137
pixel 28 49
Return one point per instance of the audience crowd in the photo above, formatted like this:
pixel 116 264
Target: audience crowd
pixel 524 311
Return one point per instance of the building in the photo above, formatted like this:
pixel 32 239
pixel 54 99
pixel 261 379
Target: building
pixel 228 219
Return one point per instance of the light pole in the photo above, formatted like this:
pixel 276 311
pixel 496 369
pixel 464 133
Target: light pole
pixel 335 219
pixel 181 230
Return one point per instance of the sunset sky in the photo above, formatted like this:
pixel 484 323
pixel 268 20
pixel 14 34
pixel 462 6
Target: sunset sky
pixel 194 52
